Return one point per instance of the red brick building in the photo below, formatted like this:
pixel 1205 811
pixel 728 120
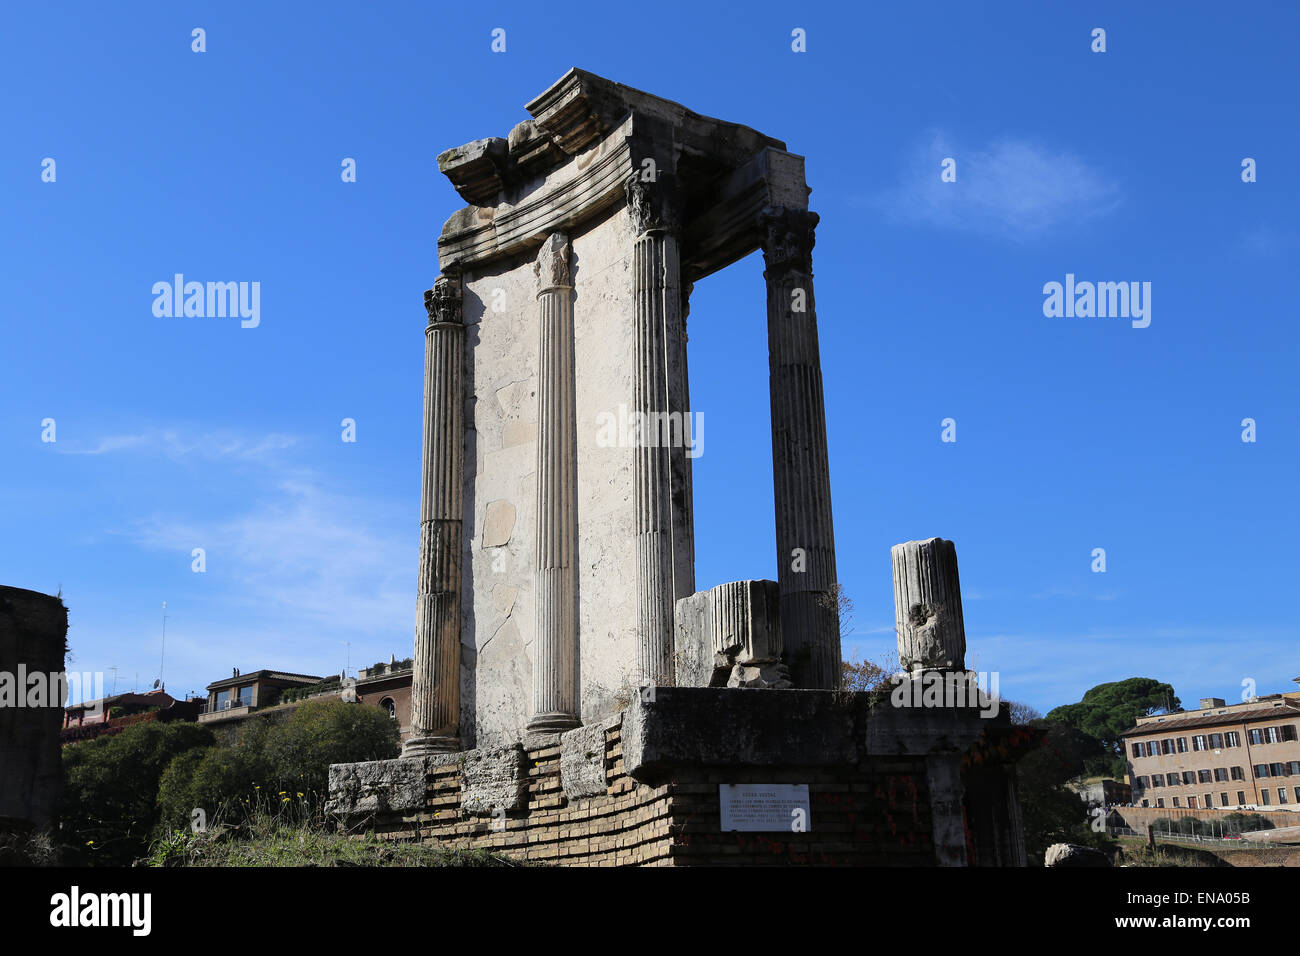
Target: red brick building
pixel 388 686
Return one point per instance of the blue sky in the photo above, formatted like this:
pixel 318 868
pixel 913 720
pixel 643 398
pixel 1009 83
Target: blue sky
pixel 1072 434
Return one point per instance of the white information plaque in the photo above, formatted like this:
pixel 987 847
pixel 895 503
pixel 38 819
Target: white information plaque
pixel 765 807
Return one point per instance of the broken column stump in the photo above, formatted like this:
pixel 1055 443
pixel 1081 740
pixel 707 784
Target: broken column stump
pixel 927 606
pixel 730 636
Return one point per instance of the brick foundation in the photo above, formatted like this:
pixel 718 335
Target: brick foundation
pixel 866 807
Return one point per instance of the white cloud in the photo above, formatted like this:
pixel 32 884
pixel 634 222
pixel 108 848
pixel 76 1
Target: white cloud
pixel 306 556
pixel 1012 187
pixel 296 567
pixel 177 445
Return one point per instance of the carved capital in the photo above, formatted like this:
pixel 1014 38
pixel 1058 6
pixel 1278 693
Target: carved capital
pixel 443 302
pixel 552 265
pixel 651 205
pixel 788 238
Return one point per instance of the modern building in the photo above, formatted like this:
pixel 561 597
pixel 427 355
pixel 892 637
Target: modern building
pixel 235 698
pixel 1220 756
pixel 241 694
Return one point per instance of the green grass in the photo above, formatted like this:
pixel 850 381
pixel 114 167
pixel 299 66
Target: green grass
pixel 23 847
pixel 1168 852
pixel 267 841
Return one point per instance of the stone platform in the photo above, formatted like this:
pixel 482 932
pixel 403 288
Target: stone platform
pixel 886 786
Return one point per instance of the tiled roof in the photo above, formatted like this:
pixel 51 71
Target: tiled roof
pixel 125 698
pixel 1213 720
pixel 264 675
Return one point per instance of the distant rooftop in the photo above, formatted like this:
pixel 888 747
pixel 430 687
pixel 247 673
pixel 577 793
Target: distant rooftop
pixel 284 676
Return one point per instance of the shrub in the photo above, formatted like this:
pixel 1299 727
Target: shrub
pixel 109 803
pixel 270 763
pixel 1246 822
pixel 300 750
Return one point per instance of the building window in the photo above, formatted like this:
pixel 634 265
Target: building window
pixel 1137 750
pixel 1223 799
pixel 1232 739
pixel 1176 803
pixel 1263 796
pixel 1277 770
pixel 1297 794
pixel 1191 802
pixel 1272 735
pixel 1238 773
pixel 1182 745
pixel 1209 801
pixel 222 697
pixel 1288 732
pixel 1293 766
pixel 1189 778
pixel 1281 794
pixel 1256 736
pixel 388 705
pixel 246 696
pixel 1167 745
pixel 1241 798
pixel 1157 780
pixel 1143 783
pixel 1261 770
pixel 1220 775
pixel 1202 776
pixel 1216 741
pixel 1198 742
pixel 1160 803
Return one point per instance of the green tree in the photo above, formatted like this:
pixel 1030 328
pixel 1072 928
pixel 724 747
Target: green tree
pixel 1051 812
pixel 109 803
pixel 1108 710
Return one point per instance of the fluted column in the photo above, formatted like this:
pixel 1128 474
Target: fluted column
pixel 658 369
pixel 680 488
pixel 435 682
pixel 555 706
pixel 805 536
pixel 927 606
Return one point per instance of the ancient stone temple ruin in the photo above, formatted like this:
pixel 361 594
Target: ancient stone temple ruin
pixel 574 697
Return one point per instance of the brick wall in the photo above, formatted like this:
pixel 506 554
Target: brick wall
pixel 877 814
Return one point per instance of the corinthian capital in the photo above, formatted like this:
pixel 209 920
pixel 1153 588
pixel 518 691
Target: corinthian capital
pixel 788 239
pixel 652 205
pixel 443 302
pixel 552 265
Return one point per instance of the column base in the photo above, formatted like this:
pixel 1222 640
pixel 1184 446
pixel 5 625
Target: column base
pixel 556 722
pixel 423 746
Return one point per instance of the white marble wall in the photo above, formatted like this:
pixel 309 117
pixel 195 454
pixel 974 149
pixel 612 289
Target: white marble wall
pixel 500 472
